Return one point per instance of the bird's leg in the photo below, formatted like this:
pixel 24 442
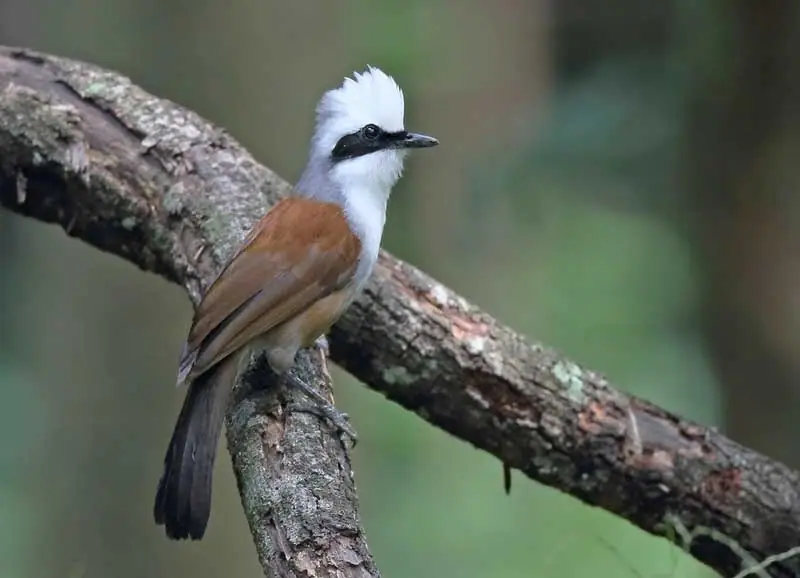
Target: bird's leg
pixel 322 408
pixel 324 349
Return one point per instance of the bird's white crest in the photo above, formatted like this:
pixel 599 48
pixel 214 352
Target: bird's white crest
pixel 371 96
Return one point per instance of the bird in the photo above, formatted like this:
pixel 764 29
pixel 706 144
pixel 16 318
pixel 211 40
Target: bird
pixel 293 276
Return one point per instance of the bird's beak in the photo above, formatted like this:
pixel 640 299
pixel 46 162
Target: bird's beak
pixel 415 140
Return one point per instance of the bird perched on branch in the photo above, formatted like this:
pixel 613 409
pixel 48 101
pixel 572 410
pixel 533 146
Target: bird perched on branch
pixel 293 277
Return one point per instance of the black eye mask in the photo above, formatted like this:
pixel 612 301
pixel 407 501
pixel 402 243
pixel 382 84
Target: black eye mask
pixel 368 139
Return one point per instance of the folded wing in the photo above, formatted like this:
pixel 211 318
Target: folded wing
pixel 301 251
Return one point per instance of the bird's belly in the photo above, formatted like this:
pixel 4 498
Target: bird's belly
pixel 321 316
pixel 283 342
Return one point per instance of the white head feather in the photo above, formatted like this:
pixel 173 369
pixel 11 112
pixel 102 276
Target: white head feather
pixel 370 97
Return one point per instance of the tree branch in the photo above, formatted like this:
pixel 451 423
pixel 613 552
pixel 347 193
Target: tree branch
pixel 154 183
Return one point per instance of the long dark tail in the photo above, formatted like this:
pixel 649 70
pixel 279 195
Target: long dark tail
pixel 183 499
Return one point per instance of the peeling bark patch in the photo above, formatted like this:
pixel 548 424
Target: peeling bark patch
pixel 465 329
pixel 444 298
pixel 439 296
pixel 655 460
pixel 590 420
pixel 723 484
pixel 452 312
pixel 474 344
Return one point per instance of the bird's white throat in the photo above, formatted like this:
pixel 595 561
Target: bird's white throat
pixel 365 211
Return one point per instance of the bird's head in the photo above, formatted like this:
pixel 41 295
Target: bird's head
pixel 360 132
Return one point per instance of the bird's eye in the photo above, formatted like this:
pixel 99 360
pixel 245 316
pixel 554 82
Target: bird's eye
pixel 371 132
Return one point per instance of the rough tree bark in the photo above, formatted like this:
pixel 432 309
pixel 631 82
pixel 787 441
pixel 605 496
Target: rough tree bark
pixel 157 185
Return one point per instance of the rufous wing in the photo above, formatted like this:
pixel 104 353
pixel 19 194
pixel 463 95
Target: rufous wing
pixel 300 251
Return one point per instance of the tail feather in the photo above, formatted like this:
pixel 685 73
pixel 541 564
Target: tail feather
pixel 183 499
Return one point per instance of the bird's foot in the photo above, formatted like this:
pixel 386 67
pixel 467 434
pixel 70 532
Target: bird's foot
pixel 323 408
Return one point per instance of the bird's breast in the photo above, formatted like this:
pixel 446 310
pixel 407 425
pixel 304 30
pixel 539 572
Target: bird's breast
pixel 365 211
